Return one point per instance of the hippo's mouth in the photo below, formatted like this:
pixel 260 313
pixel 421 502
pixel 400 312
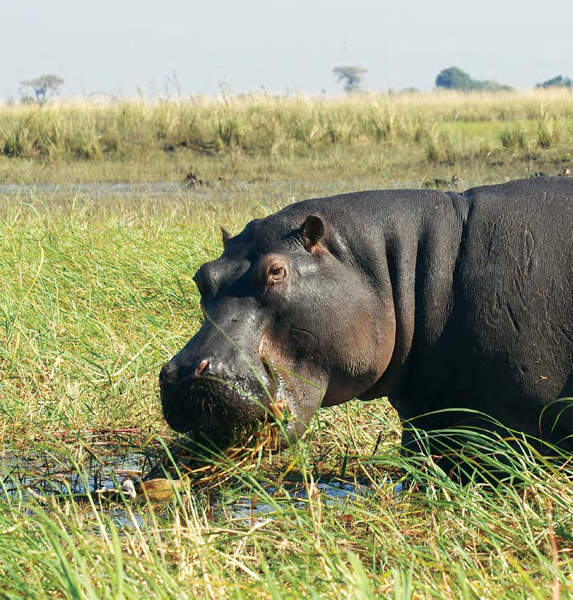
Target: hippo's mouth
pixel 211 410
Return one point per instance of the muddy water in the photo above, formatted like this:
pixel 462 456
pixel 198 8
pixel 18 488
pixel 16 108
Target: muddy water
pixel 222 190
pixel 49 474
pixel 47 478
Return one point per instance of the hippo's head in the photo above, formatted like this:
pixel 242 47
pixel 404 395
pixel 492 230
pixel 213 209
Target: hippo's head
pixel 291 322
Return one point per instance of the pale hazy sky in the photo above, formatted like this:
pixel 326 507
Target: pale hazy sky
pixel 117 47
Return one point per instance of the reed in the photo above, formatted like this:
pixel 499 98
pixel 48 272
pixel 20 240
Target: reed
pixel 439 127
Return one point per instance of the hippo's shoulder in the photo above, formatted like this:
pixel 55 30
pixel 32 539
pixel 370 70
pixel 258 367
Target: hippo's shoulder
pixel 370 205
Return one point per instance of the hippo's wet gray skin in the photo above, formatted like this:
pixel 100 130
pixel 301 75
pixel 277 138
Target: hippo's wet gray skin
pixel 436 300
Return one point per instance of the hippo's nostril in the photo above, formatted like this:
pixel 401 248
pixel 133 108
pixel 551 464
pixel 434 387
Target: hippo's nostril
pixel 201 368
pixel 168 374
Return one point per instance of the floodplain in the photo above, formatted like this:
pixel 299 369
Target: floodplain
pixel 106 212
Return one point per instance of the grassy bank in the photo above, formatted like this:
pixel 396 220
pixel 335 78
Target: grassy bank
pixel 390 138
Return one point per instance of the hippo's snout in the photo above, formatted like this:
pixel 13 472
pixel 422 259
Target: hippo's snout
pixel 198 399
pixel 169 373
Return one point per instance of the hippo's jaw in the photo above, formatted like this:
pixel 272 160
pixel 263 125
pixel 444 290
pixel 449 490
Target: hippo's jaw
pixel 295 398
pixel 208 407
pixel 297 388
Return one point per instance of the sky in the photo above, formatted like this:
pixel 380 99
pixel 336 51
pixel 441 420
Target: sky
pixel 170 47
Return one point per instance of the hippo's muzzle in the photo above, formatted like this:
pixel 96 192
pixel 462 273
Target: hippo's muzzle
pixel 198 401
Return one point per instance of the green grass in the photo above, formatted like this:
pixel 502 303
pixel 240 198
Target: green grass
pixel 97 293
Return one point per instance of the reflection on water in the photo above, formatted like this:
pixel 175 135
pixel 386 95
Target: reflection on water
pixel 333 493
pixel 49 474
pixel 47 477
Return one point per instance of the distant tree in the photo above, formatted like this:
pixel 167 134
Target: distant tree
pixel 351 76
pixel 453 79
pixel 41 89
pixel 559 81
pixel 488 85
pixel 456 79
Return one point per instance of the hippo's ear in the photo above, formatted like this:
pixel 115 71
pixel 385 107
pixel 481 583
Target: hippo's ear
pixel 312 231
pixel 225 235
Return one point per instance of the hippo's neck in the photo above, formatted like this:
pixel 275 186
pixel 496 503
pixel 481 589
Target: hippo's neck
pixel 422 245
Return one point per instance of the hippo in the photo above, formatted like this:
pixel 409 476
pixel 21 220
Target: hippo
pixel 456 306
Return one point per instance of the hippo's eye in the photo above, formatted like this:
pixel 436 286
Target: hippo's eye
pixel 276 274
pixel 270 273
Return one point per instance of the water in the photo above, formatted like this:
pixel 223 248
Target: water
pixel 95 190
pixel 46 475
pixel 338 493
pixel 161 189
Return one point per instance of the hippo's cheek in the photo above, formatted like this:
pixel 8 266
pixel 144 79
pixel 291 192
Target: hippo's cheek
pixel 298 386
